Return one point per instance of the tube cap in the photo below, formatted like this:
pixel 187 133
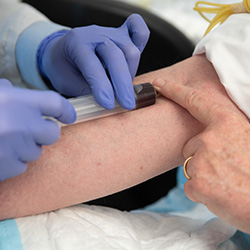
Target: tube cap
pixel 145 95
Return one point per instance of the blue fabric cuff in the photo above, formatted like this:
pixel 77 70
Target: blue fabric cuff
pixel 9 235
pixel 26 51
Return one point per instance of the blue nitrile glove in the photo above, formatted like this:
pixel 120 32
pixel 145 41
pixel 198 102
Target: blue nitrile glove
pixel 75 61
pixel 23 130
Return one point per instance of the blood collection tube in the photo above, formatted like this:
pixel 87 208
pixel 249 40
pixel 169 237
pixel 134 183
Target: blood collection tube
pixel 87 108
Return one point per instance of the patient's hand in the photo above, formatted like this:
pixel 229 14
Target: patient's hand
pixel 219 168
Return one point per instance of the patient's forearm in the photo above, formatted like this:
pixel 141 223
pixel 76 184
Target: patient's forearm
pixel 100 157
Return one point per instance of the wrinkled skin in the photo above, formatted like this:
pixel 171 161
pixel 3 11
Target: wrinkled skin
pixel 220 166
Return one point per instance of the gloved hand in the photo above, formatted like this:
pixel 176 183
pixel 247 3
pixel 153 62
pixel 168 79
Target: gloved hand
pixel 75 62
pixel 23 130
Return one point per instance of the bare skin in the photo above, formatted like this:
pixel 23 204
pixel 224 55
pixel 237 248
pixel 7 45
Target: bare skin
pixel 101 157
pixel 219 167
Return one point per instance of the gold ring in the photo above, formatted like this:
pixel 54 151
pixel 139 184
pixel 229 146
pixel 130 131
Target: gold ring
pixel 185 168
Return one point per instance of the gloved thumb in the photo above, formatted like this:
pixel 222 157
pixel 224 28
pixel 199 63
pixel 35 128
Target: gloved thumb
pixel 138 30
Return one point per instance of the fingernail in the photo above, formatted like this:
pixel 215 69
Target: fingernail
pixel 158 83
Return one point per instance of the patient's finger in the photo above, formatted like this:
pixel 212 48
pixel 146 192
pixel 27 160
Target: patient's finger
pixel 200 105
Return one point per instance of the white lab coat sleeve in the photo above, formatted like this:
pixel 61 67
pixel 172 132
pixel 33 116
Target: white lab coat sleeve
pixel 227 47
pixel 22 28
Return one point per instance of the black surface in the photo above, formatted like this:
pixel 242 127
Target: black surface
pixel 166 46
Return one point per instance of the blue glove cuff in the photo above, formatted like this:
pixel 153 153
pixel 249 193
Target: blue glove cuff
pixel 42 47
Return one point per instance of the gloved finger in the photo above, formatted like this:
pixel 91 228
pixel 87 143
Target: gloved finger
pixel 70 82
pixel 138 30
pixel 117 66
pixel 56 106
pixel 5 83
pixel 131 53
pixel 94 73
pixel 46 133
pixel 9 169
pixel 197 102
pixel 34 153
pixel 26 147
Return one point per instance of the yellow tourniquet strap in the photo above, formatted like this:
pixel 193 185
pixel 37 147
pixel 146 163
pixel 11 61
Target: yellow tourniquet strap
pixel 222 11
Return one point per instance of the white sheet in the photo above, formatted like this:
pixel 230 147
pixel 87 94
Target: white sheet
pixel 95 227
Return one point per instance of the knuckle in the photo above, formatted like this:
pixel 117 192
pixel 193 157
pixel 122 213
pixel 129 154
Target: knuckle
pixel 105 41
pixel 192 97
pixel 133 53
pixel 82 32
pixel 73 34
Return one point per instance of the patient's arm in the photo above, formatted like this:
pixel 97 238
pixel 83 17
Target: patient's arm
pixel 100 157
